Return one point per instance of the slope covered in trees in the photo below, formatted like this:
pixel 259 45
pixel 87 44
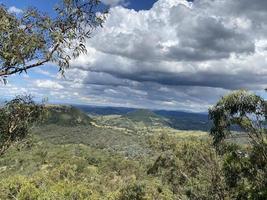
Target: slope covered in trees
pixel 89 162
pixel 66 115
pixel 130 117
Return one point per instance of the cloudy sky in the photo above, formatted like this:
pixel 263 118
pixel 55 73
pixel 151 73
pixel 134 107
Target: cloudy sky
pixel 165 54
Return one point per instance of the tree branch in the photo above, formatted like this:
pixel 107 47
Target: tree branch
pixel 25 68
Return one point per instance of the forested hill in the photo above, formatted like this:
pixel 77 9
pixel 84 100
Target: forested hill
pixel 146 116
pixel 99 110
pixel 66 115
pixel 186 121
pixel 176 119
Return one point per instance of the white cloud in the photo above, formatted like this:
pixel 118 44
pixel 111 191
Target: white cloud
pixel 179 44
pixel 48 84
pixel 14 10
pixel 177 55
pixel 171 39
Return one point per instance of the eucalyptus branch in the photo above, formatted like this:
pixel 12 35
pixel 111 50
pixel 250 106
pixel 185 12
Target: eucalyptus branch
pixel 29 37
pixel 27 67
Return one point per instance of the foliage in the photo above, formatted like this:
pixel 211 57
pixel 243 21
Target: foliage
pixel 145 190
pixel 245 169
pixel 16 117
pixel 56 165
pixel 97 162
pixel 192 169
pixel 240 108
pixel 33 38
pixel 75 172
pixel 66 116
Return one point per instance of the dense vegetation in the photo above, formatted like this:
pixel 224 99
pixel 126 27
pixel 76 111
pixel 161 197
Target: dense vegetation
pixel 65 116
pixel 44 169
pixel 245 170
pixel 103 162
pixel 16 117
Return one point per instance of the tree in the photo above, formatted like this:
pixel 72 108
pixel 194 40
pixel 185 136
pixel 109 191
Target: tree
pixel 191 168
pixel 16 117
pixel 242 109
pixel 34 38
pixel 245 169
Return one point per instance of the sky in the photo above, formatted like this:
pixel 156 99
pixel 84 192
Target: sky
pixel 165 54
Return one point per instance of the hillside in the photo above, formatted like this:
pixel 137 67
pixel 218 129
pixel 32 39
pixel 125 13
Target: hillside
pixel 86 163
pixel 148 117
pixel 143 115
pixel 59 161
pixel 66 115
pixel 98 110
pixel 137 119
pixel 130 116
pixel 186 121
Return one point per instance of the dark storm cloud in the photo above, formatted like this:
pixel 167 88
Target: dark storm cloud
pixel 209 39
pixel 102 78
pixel 202 79
pixel 243 6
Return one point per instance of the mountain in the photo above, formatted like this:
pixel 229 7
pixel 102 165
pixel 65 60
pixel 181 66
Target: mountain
pixel 137 119
pixel 186 121
pixel 66 116
pixel 99 110
pixel 175 119
pixel 147 117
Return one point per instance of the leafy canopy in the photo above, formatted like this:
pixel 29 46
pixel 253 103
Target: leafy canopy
pixel 16 117
pixel 242 109
pixel 34 38
pixel 245 169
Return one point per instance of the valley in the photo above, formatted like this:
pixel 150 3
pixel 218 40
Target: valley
pixel 103 156
pixel 77 155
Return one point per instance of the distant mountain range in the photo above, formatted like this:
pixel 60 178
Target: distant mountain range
pixel 186 121
pixel 97 110
pixel 175 119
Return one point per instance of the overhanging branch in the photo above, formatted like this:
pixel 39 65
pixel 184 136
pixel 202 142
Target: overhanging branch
pixel 25 68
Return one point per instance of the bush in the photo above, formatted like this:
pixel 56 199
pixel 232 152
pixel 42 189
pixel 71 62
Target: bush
pixel 191 168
